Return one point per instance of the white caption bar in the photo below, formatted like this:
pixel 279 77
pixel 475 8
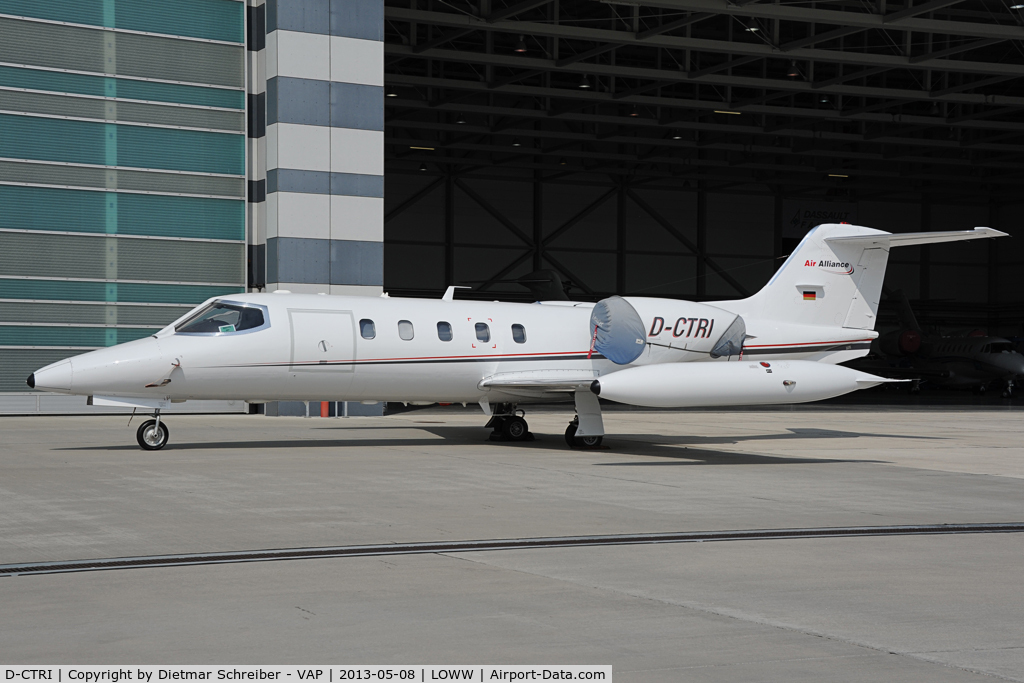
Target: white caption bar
pixel 312 674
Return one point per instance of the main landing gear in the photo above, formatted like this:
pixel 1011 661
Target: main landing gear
pixel 153 434
pixel 582 442
pixel 508 424
pixel 586 431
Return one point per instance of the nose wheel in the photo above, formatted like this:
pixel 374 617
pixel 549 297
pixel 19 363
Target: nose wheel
pixel 152 434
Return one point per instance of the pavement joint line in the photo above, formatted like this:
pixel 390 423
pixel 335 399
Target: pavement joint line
pixel 325 552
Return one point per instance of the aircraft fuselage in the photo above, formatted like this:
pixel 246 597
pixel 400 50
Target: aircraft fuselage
pixel 315 347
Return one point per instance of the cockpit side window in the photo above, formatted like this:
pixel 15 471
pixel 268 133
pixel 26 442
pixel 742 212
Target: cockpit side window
pixel 222 318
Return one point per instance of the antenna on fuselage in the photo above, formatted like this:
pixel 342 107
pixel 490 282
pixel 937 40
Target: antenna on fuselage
pixel 449 294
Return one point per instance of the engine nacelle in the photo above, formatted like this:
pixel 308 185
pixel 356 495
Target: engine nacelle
pixel 648 330
pixel 684 385
pixel 910 341
pixel 905 343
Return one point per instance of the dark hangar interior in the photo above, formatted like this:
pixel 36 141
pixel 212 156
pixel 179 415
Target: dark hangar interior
pixel 682 148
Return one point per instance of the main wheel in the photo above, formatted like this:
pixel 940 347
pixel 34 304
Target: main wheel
pixel 515 429
pixel 570 434
pixel 580 441
pixel 150 437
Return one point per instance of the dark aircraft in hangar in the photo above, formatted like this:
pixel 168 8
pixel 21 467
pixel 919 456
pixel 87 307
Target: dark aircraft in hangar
pixel 969 362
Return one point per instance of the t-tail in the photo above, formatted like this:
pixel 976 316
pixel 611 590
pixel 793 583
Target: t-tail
pixel 908 320
pixel 834 277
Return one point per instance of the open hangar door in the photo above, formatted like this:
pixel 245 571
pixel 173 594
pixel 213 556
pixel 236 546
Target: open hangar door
pixel 682 147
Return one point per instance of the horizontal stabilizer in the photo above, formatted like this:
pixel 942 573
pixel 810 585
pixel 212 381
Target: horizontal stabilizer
pixel 908 239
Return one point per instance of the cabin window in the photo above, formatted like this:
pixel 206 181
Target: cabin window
pixel 519 334
pixel 405 330
pixel 367 329
pixel 222 318
pixel 444 331
pixel 483 333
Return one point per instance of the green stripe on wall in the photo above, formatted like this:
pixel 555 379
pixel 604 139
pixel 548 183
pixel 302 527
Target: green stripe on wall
pixel 108 86
pixel 96 314
pixel 87 142
pixel 211 19
pixel 57 290
pixel 69 336
pixel 37 208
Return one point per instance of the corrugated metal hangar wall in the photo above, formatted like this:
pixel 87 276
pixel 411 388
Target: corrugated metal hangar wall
pixel 122 175
pixel 681 147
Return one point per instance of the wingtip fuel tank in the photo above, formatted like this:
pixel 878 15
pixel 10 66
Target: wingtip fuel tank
pixel 684 385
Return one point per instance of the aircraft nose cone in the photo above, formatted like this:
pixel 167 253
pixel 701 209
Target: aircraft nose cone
pixel 31 381
pixel 55 377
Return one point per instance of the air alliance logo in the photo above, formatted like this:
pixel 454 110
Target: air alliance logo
pixel 830 266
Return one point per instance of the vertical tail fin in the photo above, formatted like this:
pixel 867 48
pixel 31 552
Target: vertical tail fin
pixel 834 277
pixel 907 318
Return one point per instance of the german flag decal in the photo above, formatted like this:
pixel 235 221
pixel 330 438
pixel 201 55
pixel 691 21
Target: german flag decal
pixel 810 296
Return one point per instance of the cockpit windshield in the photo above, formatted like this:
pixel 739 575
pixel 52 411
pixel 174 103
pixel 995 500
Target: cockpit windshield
pixel 220 318
pixel 999 347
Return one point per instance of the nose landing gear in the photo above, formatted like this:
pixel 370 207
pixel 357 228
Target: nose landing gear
pixel 152 434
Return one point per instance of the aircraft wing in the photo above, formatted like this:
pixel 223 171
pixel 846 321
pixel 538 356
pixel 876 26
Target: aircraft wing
pixel 907 239
pixel 539 382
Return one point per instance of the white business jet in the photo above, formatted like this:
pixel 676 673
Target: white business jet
pixel 779 346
